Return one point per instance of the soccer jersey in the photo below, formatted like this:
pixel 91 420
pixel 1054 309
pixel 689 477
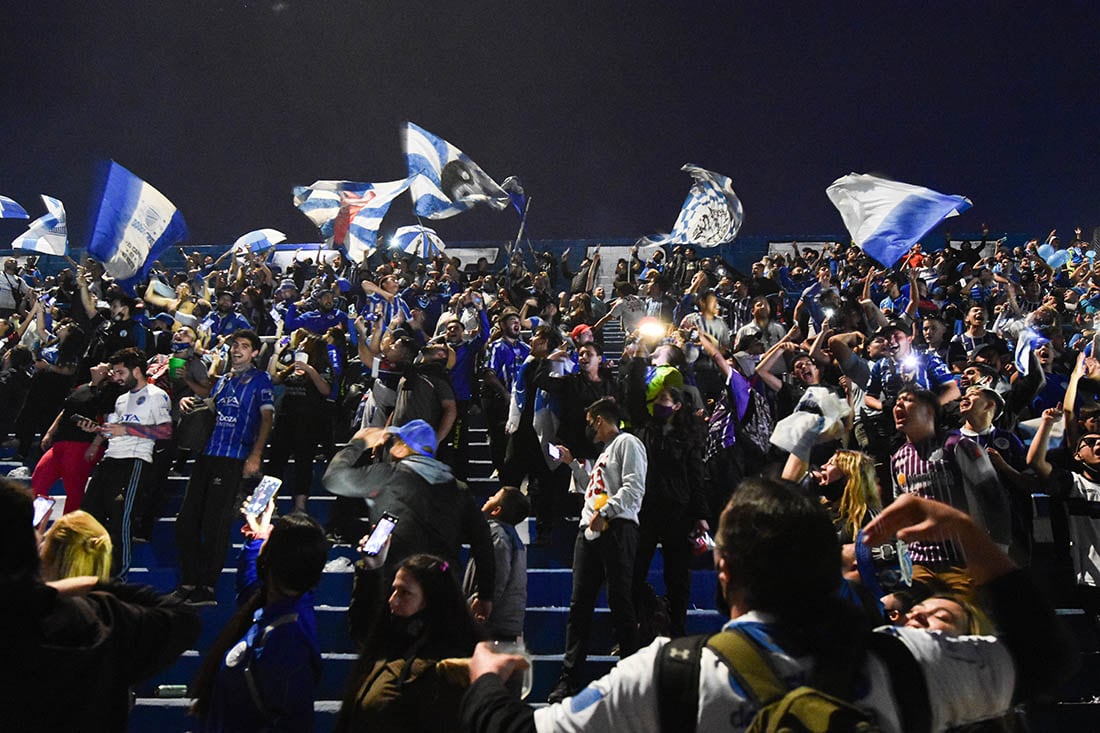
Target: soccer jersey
pixel 239 400
pixel 149 405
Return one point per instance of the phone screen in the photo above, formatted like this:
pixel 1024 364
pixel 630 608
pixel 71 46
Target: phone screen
pixel 259 498
pixel 43 505
pixel 553 451
pixel 381 533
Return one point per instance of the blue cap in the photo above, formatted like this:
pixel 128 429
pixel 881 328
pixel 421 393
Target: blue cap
pixel 418 435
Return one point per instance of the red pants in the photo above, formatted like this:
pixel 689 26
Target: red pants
pixel 65 460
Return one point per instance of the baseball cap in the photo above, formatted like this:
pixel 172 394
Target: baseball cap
pixel 579 331
pixel 418 435
pixel 287 284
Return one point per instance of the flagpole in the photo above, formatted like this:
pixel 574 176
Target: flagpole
pixel 512 247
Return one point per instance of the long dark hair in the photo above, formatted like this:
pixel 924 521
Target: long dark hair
pixel 444 628
pixel 292 559
pixel 782 557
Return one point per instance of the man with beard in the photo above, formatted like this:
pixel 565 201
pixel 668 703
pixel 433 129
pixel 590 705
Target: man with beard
pixel 119 331
pixel 244 406
pixel 463 375
pixel 224 319
pixel 142 416
pixel 425 392
pixel 503 359
pixel 13 291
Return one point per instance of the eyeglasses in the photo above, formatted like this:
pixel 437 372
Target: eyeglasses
pixel 1089 441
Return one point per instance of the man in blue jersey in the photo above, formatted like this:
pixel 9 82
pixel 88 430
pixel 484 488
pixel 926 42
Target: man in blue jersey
pixel 244 406
pixel 463 379
pixel 319 321
pixel 503 358
pixel 224 319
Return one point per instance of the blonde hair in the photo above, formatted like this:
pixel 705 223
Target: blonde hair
pixel 861 490
pixel 77 544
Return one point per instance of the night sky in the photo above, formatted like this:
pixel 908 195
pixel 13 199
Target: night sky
pixel 595 105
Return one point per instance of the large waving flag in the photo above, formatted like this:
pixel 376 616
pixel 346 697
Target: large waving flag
pixel 48 233
pixel 258 240
pixel 134 224
pixel 711 214
pixel 886 218
pixel 445 181
pixel 349 213
pixel 10 209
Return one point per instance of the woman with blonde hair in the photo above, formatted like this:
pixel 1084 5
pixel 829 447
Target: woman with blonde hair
pixel 76 545
pixel 847 482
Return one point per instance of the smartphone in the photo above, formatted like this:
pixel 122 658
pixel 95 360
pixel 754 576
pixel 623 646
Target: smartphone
pixel 380 534
pixel 78 418
pixel 261 495
pixel 553 451
pixel 43 505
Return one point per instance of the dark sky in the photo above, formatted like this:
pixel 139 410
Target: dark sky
pixel 225 106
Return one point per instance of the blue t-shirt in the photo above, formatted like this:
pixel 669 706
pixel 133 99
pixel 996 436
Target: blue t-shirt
pixel 239 401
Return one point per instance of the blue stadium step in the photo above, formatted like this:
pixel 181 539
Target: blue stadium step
pixel 170 715
pixel 548 586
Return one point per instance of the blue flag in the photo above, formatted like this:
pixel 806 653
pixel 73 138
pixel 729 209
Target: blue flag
pixel 886 218
pixel 349 213
pixel 135 223
pixel 445 181
pixel 10 209
pixel 259 240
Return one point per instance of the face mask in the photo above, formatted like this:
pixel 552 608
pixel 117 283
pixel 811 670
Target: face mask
pixel 177 347
pixel 663 412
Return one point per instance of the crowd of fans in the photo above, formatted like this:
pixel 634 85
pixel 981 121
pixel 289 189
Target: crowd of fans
pixel 965 375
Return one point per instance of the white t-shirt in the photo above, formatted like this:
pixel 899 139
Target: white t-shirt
pixel 147 406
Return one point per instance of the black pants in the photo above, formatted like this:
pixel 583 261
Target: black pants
pixel 524 459
pixel 455 448
pixel 151 501
pixel 609 557
pixel 205 518
pixel 496 415
pixel 112 497
pixel 670 526
pixel 301 438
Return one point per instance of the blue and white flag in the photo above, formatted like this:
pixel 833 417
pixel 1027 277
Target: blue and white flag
pixel 10 209
pixel 135 223
pixel 259 240
pixel 418 240
pixel 1027 342
pixel 711 214
pixel 445 181
pixel 48 233
pixel 349 213
pixel 514 188
pixel 886 218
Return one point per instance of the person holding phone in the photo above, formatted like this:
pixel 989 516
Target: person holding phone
pixel 245 406
pixel 142 416
pixel 261 672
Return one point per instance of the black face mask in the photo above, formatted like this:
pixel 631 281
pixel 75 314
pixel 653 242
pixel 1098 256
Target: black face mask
pixel 590 434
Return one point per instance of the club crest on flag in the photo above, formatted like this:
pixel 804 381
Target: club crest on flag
pixel 711 214
pixel 48 234
pixel 134 224
pixel 886 218
pixel 445 181
pixel 348 213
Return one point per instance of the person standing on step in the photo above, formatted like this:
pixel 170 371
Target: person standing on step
pixel 504 356
pixel 142 416
pixel 607 541
pixel 244 406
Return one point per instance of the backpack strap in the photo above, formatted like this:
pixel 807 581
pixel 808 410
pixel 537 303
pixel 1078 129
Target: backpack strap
pixel 249 677
pixel 678 683
pixel 751 669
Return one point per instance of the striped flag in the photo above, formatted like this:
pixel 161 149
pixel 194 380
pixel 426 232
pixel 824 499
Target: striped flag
pixel 133 225
pixel 886 218
pixel 47 234
pixel 711 214
pixel 259 240
pixel 349 213
pixel 10 209
pixel 445 181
